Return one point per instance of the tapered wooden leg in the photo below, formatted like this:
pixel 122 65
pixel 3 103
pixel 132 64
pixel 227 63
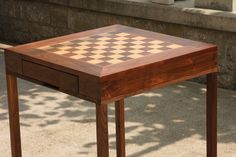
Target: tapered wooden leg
pixel 212 115
pixel 14 115
pixel 120 128
pixel 102 130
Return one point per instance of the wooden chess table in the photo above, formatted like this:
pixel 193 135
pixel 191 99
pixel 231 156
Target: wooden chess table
pixel 107 65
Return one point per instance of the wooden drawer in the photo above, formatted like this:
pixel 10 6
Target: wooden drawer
pixel 50 77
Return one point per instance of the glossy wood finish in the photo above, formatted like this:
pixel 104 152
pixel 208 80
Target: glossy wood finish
pixel 103 84
pixel 120 128
pixel 13 107
pixel 102 130
pixel 212 115
pixel 51 77
pixel 99 83
pixel 144 78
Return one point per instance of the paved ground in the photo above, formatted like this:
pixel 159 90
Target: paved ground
pixel 168 122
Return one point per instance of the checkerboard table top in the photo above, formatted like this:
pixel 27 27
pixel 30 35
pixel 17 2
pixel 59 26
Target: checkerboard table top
pixel 109 49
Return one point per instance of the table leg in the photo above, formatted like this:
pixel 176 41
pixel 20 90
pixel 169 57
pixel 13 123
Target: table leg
pixel 120 128
pixel 102 130
pixel 14 115
pixel 212 115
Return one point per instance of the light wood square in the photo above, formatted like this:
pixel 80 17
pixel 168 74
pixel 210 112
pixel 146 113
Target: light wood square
pixel 98 51
pixel 116 56
pixel 135 56
pixel 174 46
pixel 102 43
pixel 104 38
pixel 97 56
pixel 120 42
pixel 139 38
pixel 100 47
pixel 80 52
pixel 121 38
pixel 61 52
pixel 155 46
pixel 139 42
pixel 137 46
pixel 122 34
pixel 136 51
pixel 155 51
pixel 156 42
pixel 115 61
pixel 65 48
pixel 117 51
pixel 119 47
pixel 79 56
pixel 95 61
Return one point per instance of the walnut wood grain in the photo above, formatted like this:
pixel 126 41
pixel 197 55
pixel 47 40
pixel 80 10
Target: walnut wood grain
pixel 134 81
pixel 13 107
pixel 13 63
pixel 102 130
pixel 30 51
pixel 104 84
pixel 212 115
pixel 51 77
pixel 120 128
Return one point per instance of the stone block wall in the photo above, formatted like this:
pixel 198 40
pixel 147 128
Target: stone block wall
pixel 23 21
pixel 227 5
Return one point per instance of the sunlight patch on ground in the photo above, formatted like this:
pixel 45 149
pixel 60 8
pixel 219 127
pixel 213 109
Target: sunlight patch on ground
pixel 178 121
pixel 203 90
pixel 176 91
pixel 150 94
pixel 181 86
pixel 195 99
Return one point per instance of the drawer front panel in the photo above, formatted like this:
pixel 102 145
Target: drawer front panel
pixel 50 77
